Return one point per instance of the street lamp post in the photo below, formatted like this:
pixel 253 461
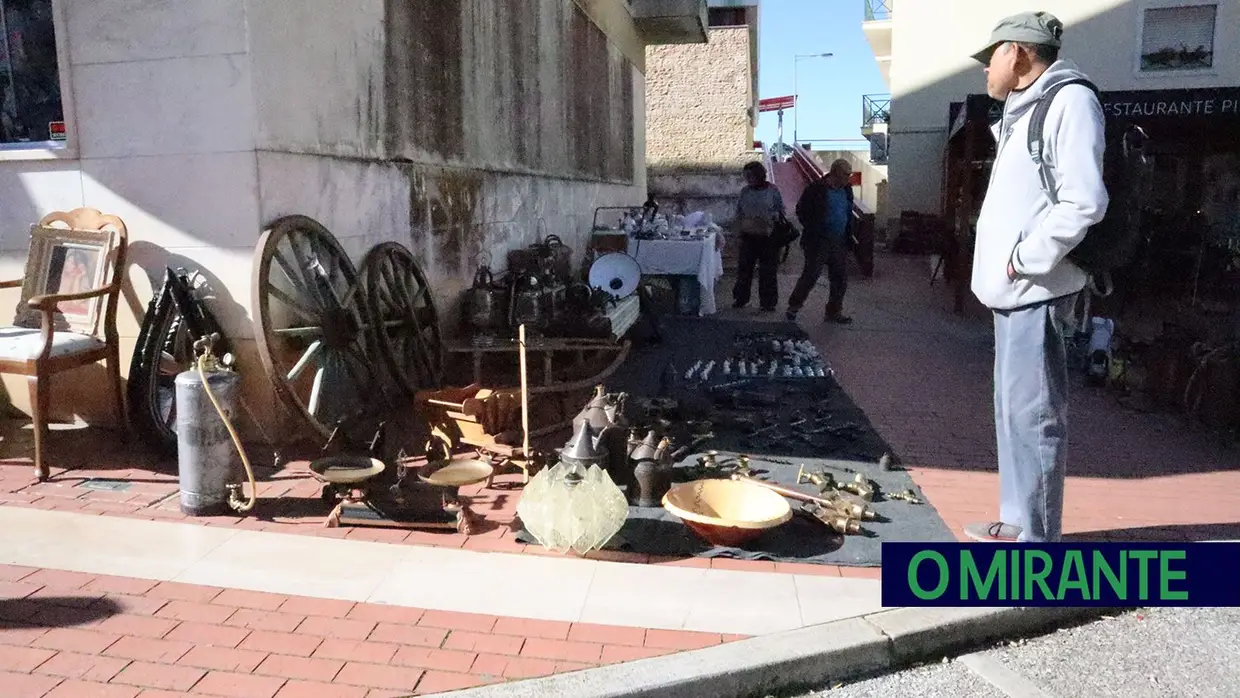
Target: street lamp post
pixel 797 95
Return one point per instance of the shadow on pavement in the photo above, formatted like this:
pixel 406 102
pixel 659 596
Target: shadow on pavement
pixel 1170 533
pixel 58 611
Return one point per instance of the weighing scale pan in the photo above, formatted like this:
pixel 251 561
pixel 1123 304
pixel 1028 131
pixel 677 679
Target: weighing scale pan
pixel 346 470
pixel 455 473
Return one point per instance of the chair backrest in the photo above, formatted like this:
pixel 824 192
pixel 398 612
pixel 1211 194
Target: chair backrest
pixel 94 243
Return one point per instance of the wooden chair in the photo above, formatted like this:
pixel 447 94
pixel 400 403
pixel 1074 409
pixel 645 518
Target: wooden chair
pixel 55 331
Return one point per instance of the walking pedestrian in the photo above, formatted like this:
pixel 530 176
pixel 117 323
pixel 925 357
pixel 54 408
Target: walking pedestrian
pixel 825 211
pixel 760 206
pixel 1020 269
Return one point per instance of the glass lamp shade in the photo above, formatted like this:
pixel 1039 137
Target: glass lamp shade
pixel 570 507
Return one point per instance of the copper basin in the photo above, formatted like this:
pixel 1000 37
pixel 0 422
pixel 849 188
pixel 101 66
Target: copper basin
pixel 727 512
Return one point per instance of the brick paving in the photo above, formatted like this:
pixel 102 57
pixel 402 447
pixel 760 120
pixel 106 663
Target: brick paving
pixel 67 634
pixel 921 373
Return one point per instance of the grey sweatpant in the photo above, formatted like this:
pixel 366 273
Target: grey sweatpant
pixel 1031 415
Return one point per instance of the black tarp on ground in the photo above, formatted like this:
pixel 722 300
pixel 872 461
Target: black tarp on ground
pixel 854 445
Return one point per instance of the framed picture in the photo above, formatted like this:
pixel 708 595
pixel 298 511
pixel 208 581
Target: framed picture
pixel 64 261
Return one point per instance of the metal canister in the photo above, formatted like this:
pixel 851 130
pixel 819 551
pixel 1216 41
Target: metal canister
pixel 207 460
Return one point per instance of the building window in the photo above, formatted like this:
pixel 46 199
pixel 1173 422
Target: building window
pixel 727 17
pixel 31 114
pixel 1178 38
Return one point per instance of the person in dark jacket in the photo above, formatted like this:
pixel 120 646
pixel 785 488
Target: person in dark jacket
pixel 825 211
pixel 760 206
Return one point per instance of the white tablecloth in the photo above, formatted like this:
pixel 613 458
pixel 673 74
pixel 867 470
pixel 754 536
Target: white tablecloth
pixel 701 258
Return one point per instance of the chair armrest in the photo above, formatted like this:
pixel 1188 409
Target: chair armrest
pixel 12 283
pixel 48 302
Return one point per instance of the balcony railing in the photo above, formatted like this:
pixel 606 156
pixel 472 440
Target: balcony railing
pixel 875 109
pixel 878 10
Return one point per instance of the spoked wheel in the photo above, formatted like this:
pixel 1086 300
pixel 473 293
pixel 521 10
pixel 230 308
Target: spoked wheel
pixel 403 315
pixel 311 324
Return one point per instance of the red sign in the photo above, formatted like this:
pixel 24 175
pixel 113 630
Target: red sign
pixel 777 103
pixel 854 179
pixel 57 130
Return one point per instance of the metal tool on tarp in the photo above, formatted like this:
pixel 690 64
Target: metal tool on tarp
pixel 839 514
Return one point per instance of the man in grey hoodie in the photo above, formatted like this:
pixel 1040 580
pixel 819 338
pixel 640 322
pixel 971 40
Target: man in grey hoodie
pixel 1020 266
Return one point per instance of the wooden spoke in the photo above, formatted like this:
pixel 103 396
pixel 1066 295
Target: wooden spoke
pixel 405 325
pixel 310 324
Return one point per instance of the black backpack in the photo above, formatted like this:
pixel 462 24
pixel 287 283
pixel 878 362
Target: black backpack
pixel 1111 243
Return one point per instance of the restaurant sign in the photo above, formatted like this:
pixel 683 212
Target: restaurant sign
pixel 1219 102
pixel 1210 103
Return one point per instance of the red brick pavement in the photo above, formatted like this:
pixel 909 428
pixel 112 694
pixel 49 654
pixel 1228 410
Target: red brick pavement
pixel 923 376
pixel 72 635
pixel 921 373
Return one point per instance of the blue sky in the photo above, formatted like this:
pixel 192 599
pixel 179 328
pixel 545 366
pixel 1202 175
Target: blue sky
pixel 830 88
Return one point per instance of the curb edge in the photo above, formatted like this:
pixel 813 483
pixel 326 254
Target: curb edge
pixel 804 658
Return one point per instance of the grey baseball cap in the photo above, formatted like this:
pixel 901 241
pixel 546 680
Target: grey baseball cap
pixel 1041 28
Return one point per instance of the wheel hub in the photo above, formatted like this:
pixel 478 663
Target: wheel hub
pixel 340 328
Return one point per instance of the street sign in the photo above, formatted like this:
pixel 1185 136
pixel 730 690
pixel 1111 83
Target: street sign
pixel 777 103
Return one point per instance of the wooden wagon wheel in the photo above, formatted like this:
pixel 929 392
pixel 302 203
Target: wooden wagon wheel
pixel 402 313
pixel 311 323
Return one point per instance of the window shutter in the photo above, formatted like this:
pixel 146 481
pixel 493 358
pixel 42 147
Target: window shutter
pixel 1175 28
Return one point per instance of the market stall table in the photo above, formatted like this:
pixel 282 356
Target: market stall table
pixel 696 257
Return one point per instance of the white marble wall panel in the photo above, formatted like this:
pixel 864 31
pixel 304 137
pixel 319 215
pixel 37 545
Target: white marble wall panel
pixel 361 203
pixel 30 190
pixel 226 269
pixel 187 200
pixel 326 100
pixel 118 31
pixel 185 105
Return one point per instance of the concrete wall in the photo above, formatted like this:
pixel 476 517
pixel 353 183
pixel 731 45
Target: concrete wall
pixel 509 119
pixel 697 97
pixel 683 191
pixel 478 125
pixel 932 41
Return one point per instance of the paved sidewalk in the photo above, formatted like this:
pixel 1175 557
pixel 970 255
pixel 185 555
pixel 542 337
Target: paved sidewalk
pixel 107 606
pixel 923 376
pixel 538 587
pixel 74 635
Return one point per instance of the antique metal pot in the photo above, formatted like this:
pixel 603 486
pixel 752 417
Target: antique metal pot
pixel 652 472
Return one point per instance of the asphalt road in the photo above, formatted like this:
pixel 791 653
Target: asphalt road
pixel 1153 653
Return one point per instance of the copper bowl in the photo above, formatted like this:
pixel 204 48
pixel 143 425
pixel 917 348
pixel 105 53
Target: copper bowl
pixel 727 512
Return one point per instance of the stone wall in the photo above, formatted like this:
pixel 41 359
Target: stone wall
pixel 697 97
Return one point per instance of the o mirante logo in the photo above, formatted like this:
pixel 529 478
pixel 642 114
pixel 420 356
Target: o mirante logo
pixel 1061 574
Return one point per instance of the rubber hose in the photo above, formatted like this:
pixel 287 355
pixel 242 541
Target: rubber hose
pixel 233 501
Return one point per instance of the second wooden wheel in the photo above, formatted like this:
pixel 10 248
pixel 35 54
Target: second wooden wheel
pixel 402 317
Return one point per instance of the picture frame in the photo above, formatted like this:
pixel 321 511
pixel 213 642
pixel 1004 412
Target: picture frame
pixel 62 261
